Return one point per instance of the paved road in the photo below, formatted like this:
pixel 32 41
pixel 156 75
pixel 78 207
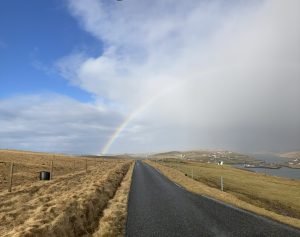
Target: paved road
pixel 158 207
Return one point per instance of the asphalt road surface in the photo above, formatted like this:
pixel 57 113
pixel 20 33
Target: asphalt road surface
pixel 158 207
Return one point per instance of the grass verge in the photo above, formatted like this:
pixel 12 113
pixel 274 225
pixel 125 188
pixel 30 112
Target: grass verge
pixel 113 221
pixel 68 206
pixel 27 166
pixel 237 181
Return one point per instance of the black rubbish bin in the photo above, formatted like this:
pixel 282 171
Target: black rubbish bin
pixel 44 175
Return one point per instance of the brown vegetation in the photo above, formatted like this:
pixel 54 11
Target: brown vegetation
pixel 27 166
pixel 69 205
pixel 114 216
pixel 264 195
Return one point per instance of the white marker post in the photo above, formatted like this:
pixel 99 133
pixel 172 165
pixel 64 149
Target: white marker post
pixel 11 176
pixel 222 185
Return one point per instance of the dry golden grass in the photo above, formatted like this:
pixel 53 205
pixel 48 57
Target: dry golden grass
pixel 69 205
pixel 113 222
pixel 234 197
pixel 27 166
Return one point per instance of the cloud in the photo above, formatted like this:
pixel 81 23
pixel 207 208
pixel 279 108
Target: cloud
pixel 40 66
pixel 54 123
pixel 236 67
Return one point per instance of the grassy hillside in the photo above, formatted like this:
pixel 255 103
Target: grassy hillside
pixel 228 157
pixel 27 165
pixel 69 205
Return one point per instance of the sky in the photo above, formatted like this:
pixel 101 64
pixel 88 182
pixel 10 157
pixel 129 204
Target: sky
pixel 104 76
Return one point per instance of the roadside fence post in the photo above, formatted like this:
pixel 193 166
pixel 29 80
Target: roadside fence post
pixel 51 171
pixel 85 165
pixel 222 184
pixel 11 176
pixel 192 173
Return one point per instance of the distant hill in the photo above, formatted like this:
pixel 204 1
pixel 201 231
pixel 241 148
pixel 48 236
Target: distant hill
pixel 291 155
pixel 6 153
pixel 205 156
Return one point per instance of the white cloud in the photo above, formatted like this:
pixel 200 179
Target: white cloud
pixel 237 67
pixel 54 123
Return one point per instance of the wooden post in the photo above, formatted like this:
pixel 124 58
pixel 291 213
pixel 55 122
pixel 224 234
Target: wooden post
pixel 222 185
pixel 11 176
pixel 192 173
pixel 85 165
pixel 51 171
pixel 74 165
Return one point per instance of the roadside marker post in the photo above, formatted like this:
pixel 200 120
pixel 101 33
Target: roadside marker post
pixel 192 173
pixel 51 171
pixel 222 184
pixel 11 176
pixel 85 165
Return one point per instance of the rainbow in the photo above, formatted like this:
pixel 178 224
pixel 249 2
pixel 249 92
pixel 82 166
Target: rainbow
pixel 132 115
pixel 117 132
pixel 144 106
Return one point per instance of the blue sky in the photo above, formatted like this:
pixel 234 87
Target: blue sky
pixel 92 76
pixel 33 36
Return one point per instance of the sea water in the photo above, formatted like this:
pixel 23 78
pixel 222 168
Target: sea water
pixel 270 158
